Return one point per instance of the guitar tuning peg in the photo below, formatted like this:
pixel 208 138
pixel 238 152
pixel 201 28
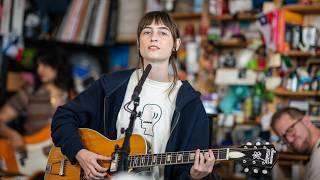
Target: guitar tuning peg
pixel 267 143
pixel 264 171
pixel 249 143
pixel 246 170
pixel 255 171
pixel 258 143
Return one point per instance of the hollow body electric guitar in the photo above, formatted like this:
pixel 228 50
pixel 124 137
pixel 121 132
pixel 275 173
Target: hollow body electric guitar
pixel 30 162
pixel 258 156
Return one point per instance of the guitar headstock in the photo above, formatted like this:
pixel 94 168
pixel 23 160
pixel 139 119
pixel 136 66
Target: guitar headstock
pixel 256 157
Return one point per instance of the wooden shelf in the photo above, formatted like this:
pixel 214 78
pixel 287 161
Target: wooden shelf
pixel 40 42
pixel 293 156
pixel 185 15
pixel 284 92
pixel 126 40
pixel 295 53
pixel 240 17
pixel 304 8
pixel 231 43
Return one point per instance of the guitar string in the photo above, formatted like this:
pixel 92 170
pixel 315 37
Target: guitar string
pixel 185 155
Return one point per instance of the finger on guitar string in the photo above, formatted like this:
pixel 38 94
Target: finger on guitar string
pixel 89 162
pixel 197 159
pixel 209 160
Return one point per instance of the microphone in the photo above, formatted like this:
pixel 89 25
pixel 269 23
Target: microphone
pixel 143 78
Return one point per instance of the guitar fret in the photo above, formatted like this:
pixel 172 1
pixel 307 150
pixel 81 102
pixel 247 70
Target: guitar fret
pixel 179 159
pixel 148 160
pixel 143 160
pixel 192 157
pixel 168 158
pixel 222 154
pixel 174 158
pixel 185 157
pixel 154 159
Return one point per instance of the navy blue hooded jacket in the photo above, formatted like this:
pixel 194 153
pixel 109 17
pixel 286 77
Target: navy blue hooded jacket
pixel 97 108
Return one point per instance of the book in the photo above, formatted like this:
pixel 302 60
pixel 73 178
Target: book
pixel 100 25
pixel 6 16
pixel 17 17
pixel 286 19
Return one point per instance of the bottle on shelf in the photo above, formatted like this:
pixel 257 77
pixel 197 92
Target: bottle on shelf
pixel 257 100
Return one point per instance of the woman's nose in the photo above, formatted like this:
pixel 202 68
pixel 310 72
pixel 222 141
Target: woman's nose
pixel 154 37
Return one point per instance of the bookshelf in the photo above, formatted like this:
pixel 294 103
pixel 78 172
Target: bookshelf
pixel 185 15
pixel 231 43
pixel 286 93
pixel 294 53
pixel 304 8
pixel 240 17
pixel 88 37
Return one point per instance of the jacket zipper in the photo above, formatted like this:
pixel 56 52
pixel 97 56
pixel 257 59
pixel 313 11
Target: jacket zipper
pixel 104 115
pixel 176 120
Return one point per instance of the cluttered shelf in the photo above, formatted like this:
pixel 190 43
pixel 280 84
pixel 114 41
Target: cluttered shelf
pixel 185 15
pixel 304 8
pixel 231 43
pixel 295 53
pixel 293 156
pixel 34 41
pixel 238 17
pixel 284 92
pixel 126 40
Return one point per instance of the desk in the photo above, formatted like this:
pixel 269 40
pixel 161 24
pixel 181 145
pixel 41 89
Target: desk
pixel 290 166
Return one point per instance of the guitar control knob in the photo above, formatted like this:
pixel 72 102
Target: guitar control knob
pixel 264 171
pixel 258 143
pixel 253 162
pixel 249 143
pixel 244 161
pixel 246 170
pixel 255 171
pixel 122 130
pixel 267 143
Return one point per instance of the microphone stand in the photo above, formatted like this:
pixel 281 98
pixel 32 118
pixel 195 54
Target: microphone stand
pixel 124 151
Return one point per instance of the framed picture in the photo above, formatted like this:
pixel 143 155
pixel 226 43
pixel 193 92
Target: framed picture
pixel 313 66
pixel 314 110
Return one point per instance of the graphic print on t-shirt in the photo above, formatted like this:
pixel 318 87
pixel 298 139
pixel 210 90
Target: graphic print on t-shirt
pixel 150 115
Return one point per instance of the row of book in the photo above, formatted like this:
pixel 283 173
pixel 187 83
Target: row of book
pixel 12 15
pixel 289 30
pixel 85 21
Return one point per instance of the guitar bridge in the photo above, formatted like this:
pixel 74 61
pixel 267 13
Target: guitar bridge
pixel 49 168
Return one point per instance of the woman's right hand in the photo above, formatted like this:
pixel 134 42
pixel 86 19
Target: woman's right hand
pixel 89 163
pixel 16 140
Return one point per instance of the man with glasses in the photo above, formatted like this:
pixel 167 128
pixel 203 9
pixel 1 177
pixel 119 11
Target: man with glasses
pixel 297 131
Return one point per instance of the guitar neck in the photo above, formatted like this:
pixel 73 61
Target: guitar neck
pixel 170 158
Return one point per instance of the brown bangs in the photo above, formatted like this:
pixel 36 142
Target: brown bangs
pixel 159 18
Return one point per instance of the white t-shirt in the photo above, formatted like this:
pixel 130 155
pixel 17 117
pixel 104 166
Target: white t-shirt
pixel 156 109
pixel 312 169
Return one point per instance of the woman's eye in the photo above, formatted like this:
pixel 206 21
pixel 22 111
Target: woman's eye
pixel 146 32
pixel 163 33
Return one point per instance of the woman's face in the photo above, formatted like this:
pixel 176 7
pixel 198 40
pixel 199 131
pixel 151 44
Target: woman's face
pixel 156 43
pixel 46 73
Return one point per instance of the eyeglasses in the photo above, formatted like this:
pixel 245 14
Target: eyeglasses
pixel 289 132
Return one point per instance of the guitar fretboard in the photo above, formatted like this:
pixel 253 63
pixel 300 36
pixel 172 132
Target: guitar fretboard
pixel 170 158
